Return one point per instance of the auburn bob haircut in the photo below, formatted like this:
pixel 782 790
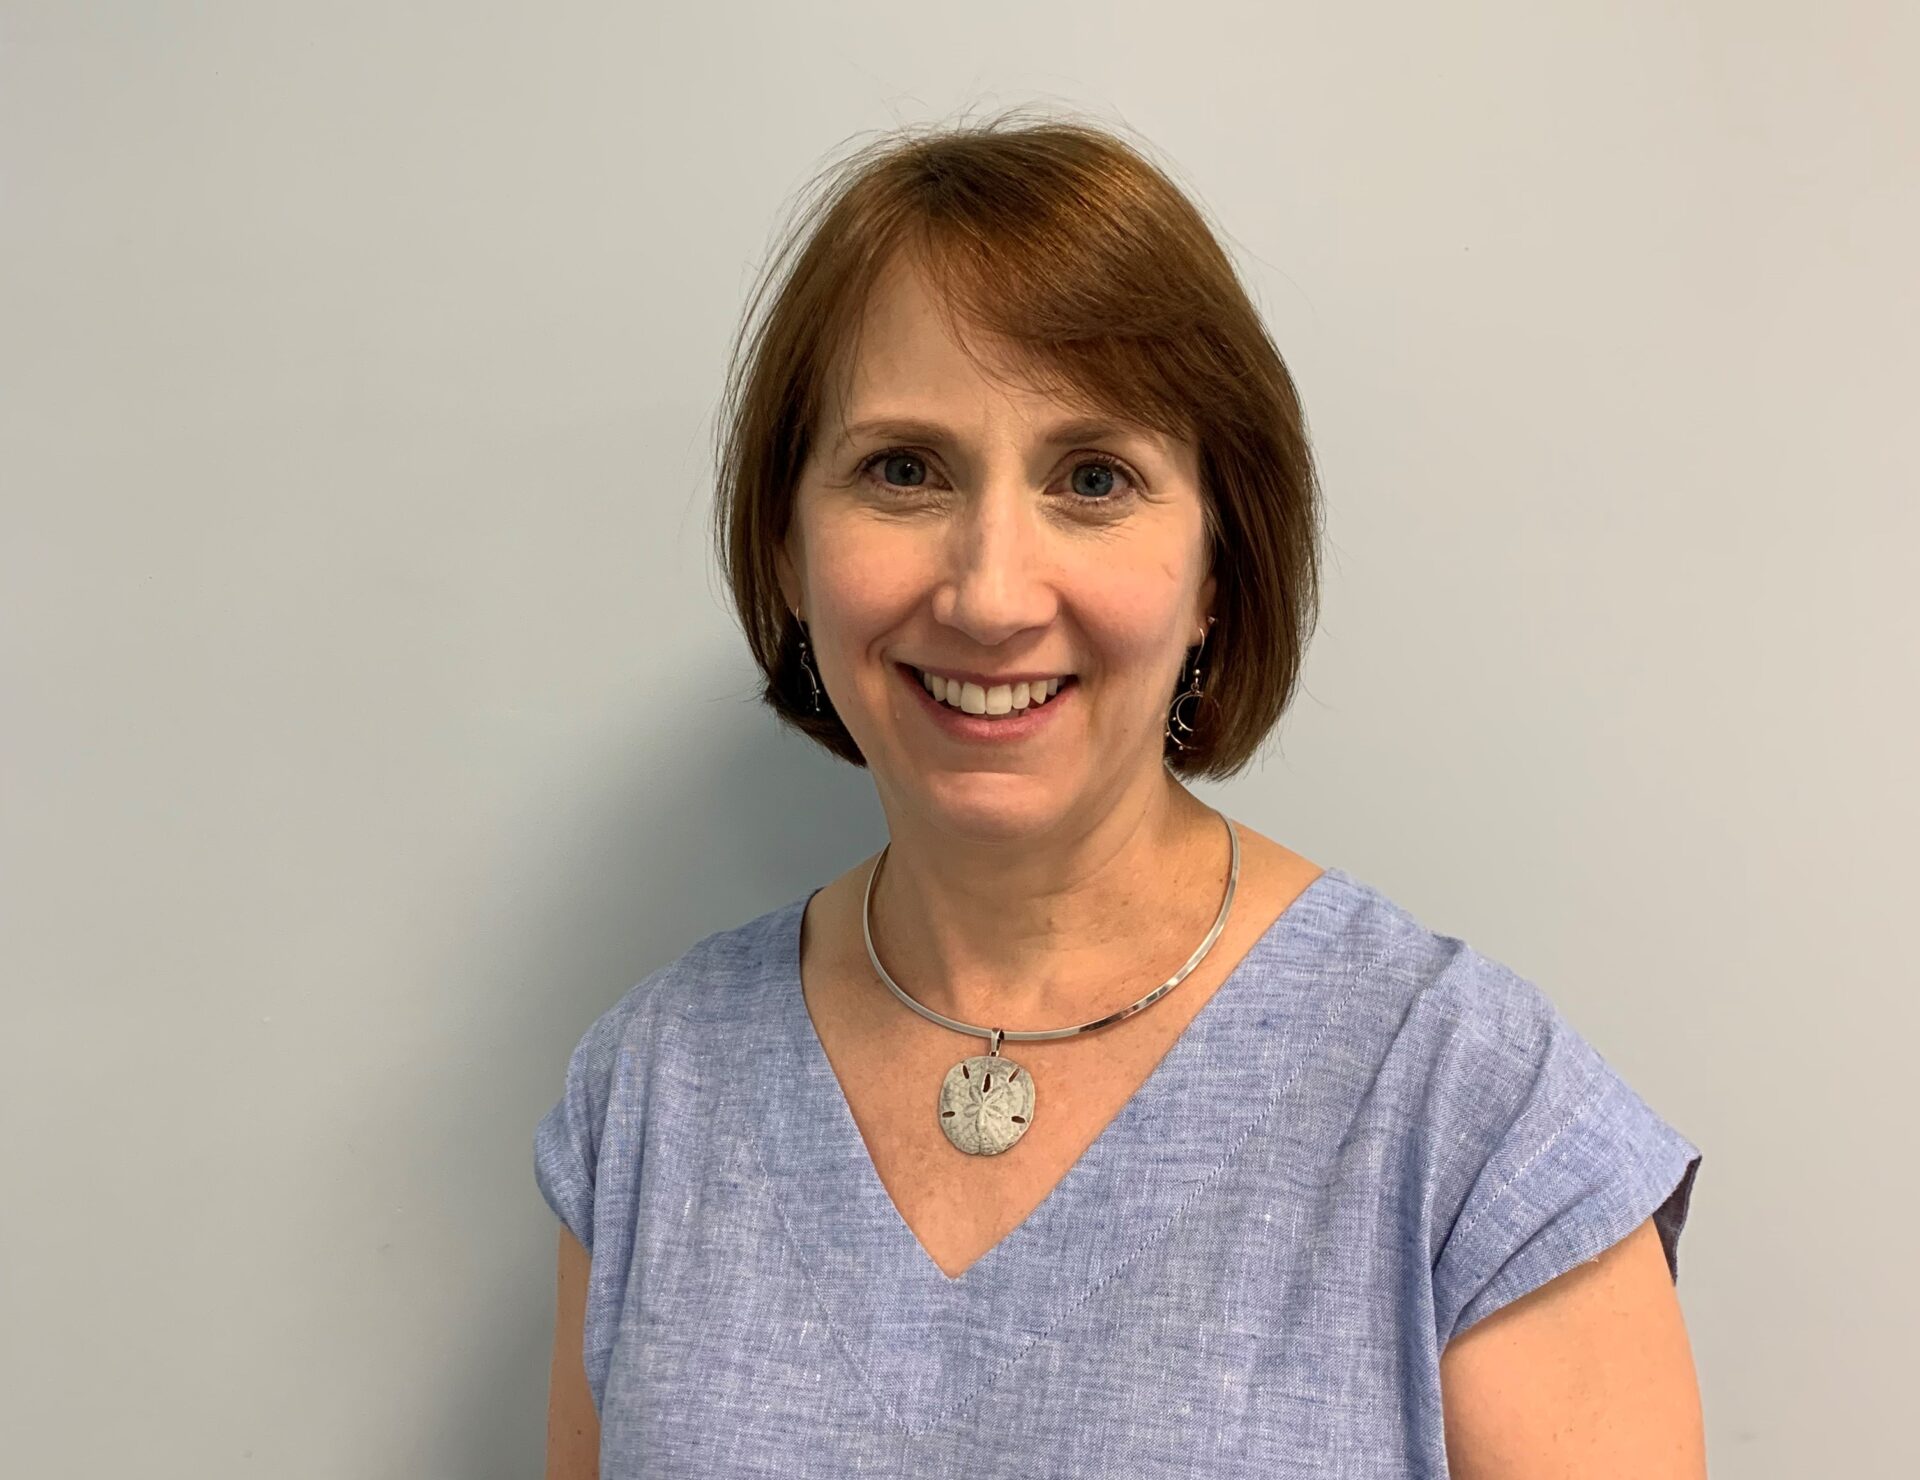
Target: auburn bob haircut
pixel 1066 242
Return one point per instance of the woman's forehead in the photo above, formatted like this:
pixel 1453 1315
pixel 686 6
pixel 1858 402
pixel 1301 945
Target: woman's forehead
pixel 913 356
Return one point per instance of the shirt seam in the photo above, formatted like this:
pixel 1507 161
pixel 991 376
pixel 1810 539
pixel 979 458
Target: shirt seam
pixel 1590 1095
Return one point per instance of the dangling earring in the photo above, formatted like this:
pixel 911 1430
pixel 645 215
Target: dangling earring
pixel 807 667
pixel 1174 721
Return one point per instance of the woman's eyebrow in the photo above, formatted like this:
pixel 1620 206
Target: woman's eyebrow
pixel 1082 429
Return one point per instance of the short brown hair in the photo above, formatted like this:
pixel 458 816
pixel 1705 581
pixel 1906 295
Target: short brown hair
pixel 1067 242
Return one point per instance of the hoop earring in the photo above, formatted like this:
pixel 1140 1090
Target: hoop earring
pixel 1193 692
pixel 807 667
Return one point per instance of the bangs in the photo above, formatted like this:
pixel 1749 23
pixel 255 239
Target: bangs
pixel 1067 308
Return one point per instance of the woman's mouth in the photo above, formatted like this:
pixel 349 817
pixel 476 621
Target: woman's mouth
pixel 1016 724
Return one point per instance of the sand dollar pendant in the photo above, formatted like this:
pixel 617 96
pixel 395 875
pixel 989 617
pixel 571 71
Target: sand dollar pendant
pixel 986 1102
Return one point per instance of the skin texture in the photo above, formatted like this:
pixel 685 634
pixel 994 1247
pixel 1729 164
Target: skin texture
pixel 1016 875
pixel 886 1058
pixel 1589 1376
pixel 573 1427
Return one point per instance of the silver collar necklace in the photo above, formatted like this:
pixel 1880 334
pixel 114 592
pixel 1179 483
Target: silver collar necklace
pixel 986 1101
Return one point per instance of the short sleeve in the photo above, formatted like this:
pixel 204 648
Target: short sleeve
pixel 1574 1161
pixel 567 1141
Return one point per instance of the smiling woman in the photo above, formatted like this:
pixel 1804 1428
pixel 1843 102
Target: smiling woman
pixel 1048 272
pixel 1081 1130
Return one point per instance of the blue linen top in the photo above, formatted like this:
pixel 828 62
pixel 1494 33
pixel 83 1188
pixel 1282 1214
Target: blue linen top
pixel 1369 1137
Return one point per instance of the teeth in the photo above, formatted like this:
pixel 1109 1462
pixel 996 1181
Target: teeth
pixel 1000 699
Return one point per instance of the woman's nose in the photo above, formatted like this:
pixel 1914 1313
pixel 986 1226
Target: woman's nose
pixel 999 572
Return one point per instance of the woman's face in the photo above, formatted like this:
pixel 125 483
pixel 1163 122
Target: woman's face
pixel 991 538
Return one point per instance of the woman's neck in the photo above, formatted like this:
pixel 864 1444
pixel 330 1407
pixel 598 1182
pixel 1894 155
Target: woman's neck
pixel 1038 936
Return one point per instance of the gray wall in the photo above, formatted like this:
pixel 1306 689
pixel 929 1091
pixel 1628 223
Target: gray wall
pixel 373 717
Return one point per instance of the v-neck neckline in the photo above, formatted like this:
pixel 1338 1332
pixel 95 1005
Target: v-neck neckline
pixel 913 1332
pixel 826 1141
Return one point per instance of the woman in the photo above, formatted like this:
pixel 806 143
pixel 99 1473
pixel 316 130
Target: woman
pixel 1080 1131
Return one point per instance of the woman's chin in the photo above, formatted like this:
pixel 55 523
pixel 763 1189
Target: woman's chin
pixel 986 805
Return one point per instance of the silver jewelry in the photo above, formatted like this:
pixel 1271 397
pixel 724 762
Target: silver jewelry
pixel 805 666
pixel 1192 692
pixel 986 1102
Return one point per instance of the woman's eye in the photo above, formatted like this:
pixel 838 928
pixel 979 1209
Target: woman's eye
pixel 1100 485
pixel 892 460
pixel 1092 479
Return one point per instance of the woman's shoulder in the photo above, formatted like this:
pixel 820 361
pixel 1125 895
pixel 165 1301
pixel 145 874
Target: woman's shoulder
pixel 1352 936
pixel 1510 1098
pixel 707 980
pixel 1417 991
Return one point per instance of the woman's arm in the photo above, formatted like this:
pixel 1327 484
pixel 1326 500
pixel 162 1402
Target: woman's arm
pixel 1589 1377
pixel 573 1427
